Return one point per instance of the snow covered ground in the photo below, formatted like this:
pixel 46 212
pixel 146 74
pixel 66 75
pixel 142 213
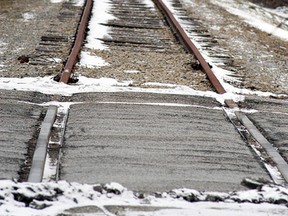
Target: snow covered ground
pixel 273 22
pixel 54 198
pixel 100 15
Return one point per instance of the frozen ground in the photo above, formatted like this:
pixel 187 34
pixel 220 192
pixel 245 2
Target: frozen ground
pixel 250 34
pixel 54 198
pixel 271 21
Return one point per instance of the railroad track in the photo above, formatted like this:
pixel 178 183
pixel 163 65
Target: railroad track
pixel 140 28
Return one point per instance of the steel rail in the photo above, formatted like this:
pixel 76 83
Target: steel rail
pixel 39 156
pixel 66 72
pixel 272 152
pixel 190 46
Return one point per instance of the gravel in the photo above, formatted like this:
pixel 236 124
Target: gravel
pixel 150 54
pixel 23 23
pixel 259 60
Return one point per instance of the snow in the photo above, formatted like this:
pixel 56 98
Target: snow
pixel 96 30
pixel 54 198
pixel 47 85
pixel 28 16
pixel 56 1
pixel 91 61
pixel 51 198
pixel 114 186
pixel 101 15
pixel 224 76
pixel 59 126
pixel 266 20
pixel 76 2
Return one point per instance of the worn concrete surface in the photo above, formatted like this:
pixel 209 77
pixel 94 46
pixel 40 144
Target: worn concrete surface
pixel 18 121
pixel 272 120
pixel 155 147
pixel 140 97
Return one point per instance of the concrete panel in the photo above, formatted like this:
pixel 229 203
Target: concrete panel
pixel 155 148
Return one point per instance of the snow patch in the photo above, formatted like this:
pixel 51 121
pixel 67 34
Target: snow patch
pixel 79 3
pixel 54 198
pixel 56 141
pixel 91 61
pixel 28 16
pixel 57 1
pixel 96 30
pixel 47 85
pixel 267 20
pixel 76 2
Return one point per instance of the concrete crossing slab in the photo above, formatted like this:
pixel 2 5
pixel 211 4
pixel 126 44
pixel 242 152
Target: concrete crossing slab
pixel 156 147
pixel 17 127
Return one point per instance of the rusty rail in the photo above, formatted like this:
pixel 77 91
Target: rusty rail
pixel 186 41
pixel 67 70
pixel 252 129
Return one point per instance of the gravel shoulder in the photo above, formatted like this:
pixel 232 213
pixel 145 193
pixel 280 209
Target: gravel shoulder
pixel 259 60
pixel 22 26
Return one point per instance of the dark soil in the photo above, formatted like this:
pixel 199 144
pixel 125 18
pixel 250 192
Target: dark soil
pixel 271 3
